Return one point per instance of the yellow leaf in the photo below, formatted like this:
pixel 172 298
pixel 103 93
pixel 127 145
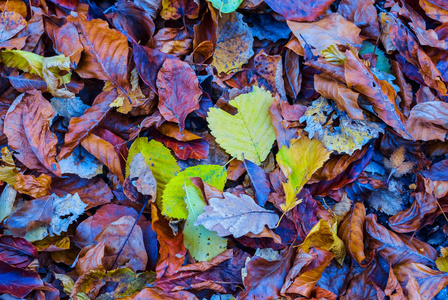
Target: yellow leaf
pixel 8 171
pixel 298 163
pixel 56 72
pixel 24 60
pixel 250 131
pixel 324 236
pixel 442 262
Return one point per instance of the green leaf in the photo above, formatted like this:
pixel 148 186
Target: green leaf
pixel 173 203
pixel 226 6
pixel 24 60
pixel 382 62
pixel 250 131
pixel 159 159
pixel 202 243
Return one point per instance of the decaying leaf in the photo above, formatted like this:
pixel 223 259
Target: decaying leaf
pixel 347 137
pixel 250 131
pixel 236 216
pixel 234 44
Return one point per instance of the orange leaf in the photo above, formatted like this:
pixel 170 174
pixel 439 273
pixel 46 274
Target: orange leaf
pixel 30 185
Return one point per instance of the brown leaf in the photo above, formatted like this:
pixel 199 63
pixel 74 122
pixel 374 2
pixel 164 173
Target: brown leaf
pixel 93 225
pixel 27 126
pixel 31 215
pixel 80 127
pixel 175 41
pixel 435 9
pixel 398 248
pixel 114 236
pixel 172 130
pixel 405 92
pixel 65 39
pixel 378 92
pixel 417 215
pixel 132 21
pixel 331 30
pixel 105 153
pixel 427 121
pixel 178 8
pixel 363 14
pixel 142 178
pixel 105 54
pixel 429 281
pixel 293 76
pixel 307 10
pixel 345 98
pixel 306 271
pixel 30 185
pixel 90 258
pixel 409 48
pixel 267 72
pixel 265 278
pixel 351 232
pixel 179 91
pixel 155 293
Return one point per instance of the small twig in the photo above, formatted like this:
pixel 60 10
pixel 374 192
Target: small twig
pixel 132 228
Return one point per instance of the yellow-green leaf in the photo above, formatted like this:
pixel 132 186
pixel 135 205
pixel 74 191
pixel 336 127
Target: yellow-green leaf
pixel 250 131
pixel 23 60
pixel 442 261
pixel 298 163
pixel 158 158
pixel 202 243
pixel 324 236
pixel 173 203
pixel 52 68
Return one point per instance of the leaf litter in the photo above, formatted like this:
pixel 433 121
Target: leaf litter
pixel 223 149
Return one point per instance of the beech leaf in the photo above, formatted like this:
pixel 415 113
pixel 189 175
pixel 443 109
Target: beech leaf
pixel 250 131
pixel 236 216
pixel 226 6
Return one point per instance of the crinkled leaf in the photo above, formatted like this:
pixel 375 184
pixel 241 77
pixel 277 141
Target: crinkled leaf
pixel 30 185
pixel 250 131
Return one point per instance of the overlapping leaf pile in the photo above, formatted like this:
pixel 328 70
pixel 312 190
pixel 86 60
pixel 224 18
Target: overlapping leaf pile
pixel 217 149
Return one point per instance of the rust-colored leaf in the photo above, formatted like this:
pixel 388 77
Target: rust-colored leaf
pixel 27 127
pixel 351 232
pixel 104 152
pixel 428 121
pixel 36 187
pixel 80 127
pixel 179 91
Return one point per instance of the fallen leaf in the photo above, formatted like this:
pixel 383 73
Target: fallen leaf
pixel 234 43
pixel 179 91
pixel 363 14
pixel 141 177
pixel 252 122
pixel 90 259
pixel 16 281
pixel 333 29
pixel 427 121
pixel 258 181
pixel 10 24
pixel 200 242
pixel 114 236
pixel 178 8
pixel 30 185
pixel 236 216
pixel 16 251
pixel 304 11
pixel 351 232
pixel 298 163
pixel 28 128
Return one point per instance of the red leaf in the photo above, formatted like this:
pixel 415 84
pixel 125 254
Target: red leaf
pixel 16 251
pixel 179 91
